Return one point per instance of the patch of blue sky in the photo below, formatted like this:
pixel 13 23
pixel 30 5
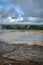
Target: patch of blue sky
pixel 4 3
pixel 16 7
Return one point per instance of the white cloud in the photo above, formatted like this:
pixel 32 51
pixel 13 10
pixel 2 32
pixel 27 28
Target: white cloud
pixel 10 20
pixel 32 18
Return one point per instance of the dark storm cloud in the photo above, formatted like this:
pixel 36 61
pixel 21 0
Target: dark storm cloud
pixel 7 11
pixel 29 7
pixel 22 8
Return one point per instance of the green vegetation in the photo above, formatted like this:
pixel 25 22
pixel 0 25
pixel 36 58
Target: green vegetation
pixel 32 27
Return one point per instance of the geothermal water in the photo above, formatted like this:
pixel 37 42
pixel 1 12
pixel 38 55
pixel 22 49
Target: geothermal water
pixel 21 35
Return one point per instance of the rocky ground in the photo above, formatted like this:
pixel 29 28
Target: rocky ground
pixel 20 54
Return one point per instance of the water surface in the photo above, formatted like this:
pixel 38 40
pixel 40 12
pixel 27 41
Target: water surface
pixel 20 36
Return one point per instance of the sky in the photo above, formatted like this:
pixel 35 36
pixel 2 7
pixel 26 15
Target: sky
pixel 21 12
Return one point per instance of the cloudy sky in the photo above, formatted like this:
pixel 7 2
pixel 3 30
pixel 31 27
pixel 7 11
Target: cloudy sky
pixel 21 11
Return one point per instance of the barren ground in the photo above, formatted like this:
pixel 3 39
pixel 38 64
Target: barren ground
pixel 15 49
